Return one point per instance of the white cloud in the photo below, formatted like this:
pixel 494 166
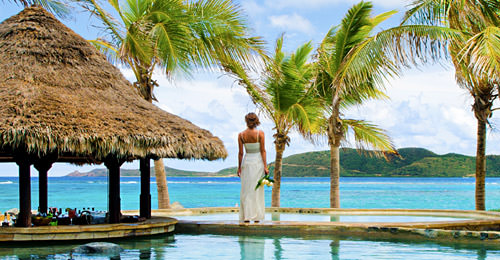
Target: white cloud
pixel 292 22
pixel 427 110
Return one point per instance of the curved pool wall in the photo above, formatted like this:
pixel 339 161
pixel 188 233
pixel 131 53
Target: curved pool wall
pixel 150 227
pixel 471 226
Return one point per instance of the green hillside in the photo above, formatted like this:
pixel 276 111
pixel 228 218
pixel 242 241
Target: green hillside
pixel 412 162
pixel 133 173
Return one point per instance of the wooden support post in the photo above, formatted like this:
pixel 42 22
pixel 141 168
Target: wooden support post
pixel 114 208
pixel 24 217
pixel 43 165
pixel 145 197
pixel 42 190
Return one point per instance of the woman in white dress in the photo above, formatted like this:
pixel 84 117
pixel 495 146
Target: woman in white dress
pixel 251 168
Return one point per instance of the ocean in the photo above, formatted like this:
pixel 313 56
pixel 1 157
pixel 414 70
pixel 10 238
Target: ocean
pixel 378 192
pixel 412 193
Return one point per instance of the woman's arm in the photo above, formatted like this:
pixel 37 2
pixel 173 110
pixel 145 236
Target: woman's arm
pixel 262 139
pixel 240 153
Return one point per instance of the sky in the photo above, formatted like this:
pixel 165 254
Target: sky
pixel 426 108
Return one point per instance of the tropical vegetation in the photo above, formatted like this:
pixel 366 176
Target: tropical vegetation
pixel 411 162
pixel 474 49
pixel 174 36
pixel 351 66
pixel 285 95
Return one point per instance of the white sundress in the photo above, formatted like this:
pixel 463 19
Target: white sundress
pixel 252 205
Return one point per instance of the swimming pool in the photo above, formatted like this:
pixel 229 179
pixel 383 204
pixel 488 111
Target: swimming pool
pixel 208 246
pixel 297 244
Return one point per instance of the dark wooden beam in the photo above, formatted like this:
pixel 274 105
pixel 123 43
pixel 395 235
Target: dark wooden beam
pixel 114 208
pixel 43 166
pixel 145 197
pixel 24 218
pixel 43 196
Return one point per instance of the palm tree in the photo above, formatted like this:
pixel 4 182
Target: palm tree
pixel 285 96
pixel 351 66
pixel 475 53
pixel 173 35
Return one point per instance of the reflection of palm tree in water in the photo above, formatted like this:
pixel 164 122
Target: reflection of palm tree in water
pixel 335 246
pixel 251 247
pixel 278 250
pixel 150 248
pixel 145 253
pixel 334 218
pixel 482 254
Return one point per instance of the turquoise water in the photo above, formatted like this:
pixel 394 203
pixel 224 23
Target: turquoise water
pixel 415 193
pixel 185 246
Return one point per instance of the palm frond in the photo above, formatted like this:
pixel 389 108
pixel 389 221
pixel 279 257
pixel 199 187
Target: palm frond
pixel 351 30
pixel 170 35
pixel 113 28
pixel 219 31
pixel 484 52
pixel 107 49
pixel 425 12
pixel 365 68
pixel 367 136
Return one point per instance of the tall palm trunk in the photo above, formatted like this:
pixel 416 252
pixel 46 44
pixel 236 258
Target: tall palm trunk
pixel 482 111
pixel 480 165
pixel 279 143
pixel 335 134
pixel 161 185
pixel 334 176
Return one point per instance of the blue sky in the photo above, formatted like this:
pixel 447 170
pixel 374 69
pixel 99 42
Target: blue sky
pixel 426 108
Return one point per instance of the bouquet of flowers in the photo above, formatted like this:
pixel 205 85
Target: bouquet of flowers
pixel 266 180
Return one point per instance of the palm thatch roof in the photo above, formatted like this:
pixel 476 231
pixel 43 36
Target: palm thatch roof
pixel 58 94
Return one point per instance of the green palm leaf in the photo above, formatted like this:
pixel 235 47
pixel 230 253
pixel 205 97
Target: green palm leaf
pixel 368 136
pixel 285 95
pixel 176 36
pixel 484 52
pixel 475 55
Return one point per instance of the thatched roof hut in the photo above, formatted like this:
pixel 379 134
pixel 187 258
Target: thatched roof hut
pixel 61 101
pixel 58 94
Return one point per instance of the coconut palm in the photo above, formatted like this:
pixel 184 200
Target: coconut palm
pixel 351 66
pixel 475 55
pixel 173 35
pixel 285 96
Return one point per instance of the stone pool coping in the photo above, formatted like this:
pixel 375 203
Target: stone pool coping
pixel 475 230
pixel 153 226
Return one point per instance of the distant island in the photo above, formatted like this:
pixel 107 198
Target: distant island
pixel 412 162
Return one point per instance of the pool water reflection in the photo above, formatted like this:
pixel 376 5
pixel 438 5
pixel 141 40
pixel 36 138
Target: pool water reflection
pixel 206 246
